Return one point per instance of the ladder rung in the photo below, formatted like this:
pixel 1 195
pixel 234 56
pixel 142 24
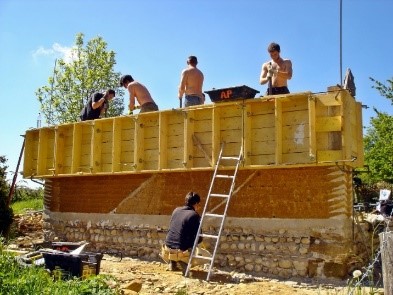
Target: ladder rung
pixel 224 176
pixel 219 195
pixel 208 236
pixel 214 215
pixel 230 158
pixel 203 257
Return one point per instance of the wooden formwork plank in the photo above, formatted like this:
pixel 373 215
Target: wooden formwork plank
pixel 59 151
pixel 312 128
pixel 42 151
pixel 116 144
pixel 188 141
pixel 76 148
pixel 96 147
pixel 30 153
pixel 328 99
pixel 329 156
pixel 278 131
pixel 347 109
pixel 138 146
pixel 163 141
pixel 216 144
pixel 247 130
pixel 328 124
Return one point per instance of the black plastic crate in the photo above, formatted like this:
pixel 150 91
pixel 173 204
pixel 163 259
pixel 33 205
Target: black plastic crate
pixel 231 93
pixel 67 265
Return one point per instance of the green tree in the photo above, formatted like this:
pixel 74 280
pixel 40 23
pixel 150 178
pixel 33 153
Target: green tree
pixel 6 214
pixel 378 140
pixel 384 90
pixel 91 69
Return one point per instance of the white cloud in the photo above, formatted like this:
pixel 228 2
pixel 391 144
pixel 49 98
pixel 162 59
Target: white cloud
pixel 57 51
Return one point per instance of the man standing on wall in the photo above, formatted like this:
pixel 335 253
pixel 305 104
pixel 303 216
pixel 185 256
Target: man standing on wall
pixel 191 83
pixel 96 105
pixel 276 72
pixel 140 92
pixel 183 229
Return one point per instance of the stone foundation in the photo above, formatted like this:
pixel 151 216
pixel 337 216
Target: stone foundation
pixel 286 248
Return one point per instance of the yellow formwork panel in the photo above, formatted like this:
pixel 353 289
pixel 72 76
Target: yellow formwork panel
pixel 293 130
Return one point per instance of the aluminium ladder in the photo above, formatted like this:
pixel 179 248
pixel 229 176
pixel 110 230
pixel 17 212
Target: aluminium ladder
pixel 220 218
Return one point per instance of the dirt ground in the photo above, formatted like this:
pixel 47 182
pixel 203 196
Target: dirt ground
pixel 155 278
pixel 152 277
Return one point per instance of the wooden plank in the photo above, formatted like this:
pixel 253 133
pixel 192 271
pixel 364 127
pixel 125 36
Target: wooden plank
pixel 278 131
pixel 42 151
pixel 163 141
pixel 346 127
pixel 188 141
pixel 138 146
pixel 96 147
pixel 31 153
pixel 216 127
pixel 116 145
pixel 312 128
pixel 247 139
pixel 295 118
pixel 76 148
pixel 329 156
pixel 328 124
pixel 328 99
pixel 59 151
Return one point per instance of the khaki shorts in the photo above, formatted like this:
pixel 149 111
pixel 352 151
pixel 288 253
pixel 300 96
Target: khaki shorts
pixel 168 254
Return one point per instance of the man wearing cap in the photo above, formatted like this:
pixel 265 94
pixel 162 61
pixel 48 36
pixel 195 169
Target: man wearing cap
pixel 139 91
pixel 97 104
pixel 191 83
pixel 276 72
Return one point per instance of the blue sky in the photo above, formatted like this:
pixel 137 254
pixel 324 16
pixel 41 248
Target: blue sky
pixel 152 39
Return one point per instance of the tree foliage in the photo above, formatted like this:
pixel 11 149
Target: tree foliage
pixel 378 141
pixel 384 90
pixel 90 69
pixel 6 214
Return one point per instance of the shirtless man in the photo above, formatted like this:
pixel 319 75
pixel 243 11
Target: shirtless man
pixel 278 70
pixel 140 92
pixel 191 83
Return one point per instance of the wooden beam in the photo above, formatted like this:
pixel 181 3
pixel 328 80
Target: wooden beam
pixel 138 145
pixel 96 144
pixel 116 144
pixel 76 148
pixel 188 151
pixel 163 141
pixel 42 151
pixel 278 129
pixel 247 137
pixel 216 134
pixel 312 129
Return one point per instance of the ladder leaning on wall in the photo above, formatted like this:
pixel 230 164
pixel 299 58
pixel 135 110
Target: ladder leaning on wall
pixel 212 199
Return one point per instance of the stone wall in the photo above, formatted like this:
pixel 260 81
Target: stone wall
pixel 309 248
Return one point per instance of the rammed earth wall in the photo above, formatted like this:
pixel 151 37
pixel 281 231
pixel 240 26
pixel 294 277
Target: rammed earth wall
pixel 286 222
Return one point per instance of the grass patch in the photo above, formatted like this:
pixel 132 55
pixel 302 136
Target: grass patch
pixel 21 207
pixel 17 279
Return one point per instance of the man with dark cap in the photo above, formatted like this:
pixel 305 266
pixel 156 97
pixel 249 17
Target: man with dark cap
pixel 139 91
pixel 276 72
pixel 96 105
pixel 183 229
